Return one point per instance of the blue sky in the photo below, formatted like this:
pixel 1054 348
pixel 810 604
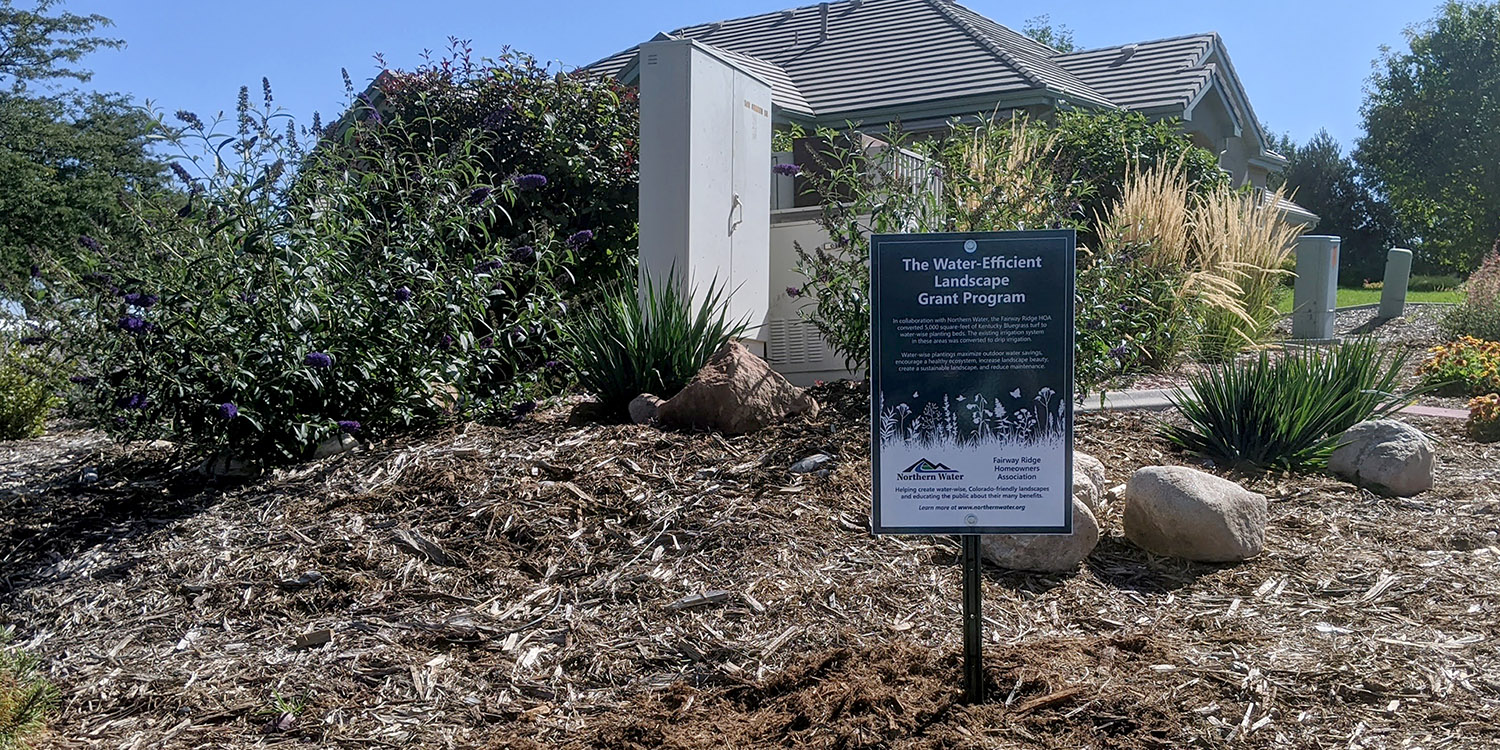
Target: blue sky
pixel 1304 62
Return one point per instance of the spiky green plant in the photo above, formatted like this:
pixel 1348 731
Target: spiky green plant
pixel 651 340
pixel 1286 413
pixel 25 698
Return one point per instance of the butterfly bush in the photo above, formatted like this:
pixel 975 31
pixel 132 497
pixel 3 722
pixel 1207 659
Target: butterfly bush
pixel 273 307
pixel 564 143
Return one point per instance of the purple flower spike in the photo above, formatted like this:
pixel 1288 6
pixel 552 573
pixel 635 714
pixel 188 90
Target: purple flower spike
pixel 182 174
pixel 189 119
pixel 581 238
pixel 552 364
pixel 1119 352
pixel 447 342
pixel 90 243
pixel 488 266
pixel 531 181
pixel 36 271
pixel 134 401
pixel 228 410
pixel 787 170
pixel 134 324
pixel 319 360
pixel 523 254
pixel 793 292
pixel 479 195
pixel 403 294
pixel 82 380
pixel 350 426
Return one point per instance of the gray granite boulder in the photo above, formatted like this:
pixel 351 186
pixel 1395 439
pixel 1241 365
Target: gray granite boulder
pixel 1387 456
pixel 1044 553
pixel 1176 511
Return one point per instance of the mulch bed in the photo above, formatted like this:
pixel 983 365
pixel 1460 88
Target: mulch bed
pixel 576 585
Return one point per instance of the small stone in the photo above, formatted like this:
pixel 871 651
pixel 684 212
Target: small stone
pixel 643 408
pixel 1045 553
pixel 225 466
pixel 335 445
pixel 812 463
pixel 1176 511
pixel 90 475
pixel 1385 455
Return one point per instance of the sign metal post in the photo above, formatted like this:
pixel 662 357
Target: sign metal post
pixel 973 624
pixel 971 398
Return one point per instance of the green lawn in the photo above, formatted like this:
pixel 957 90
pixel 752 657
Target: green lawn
pixel 1352 297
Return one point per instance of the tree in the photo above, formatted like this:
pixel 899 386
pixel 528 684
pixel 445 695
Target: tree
pixel 1431 145
pixel 64 162
pixel 35 46
pixel 1323 180
pixel 64 158
pixel 1057 37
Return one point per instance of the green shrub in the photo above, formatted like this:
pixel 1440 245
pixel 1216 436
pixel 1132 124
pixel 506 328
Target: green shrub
pixel 654 342
pixel 267 312
pixel 26 396
pixel 25 698
pixel 1130 316
pixel 1286 413
pixel 1102 149
pixel 1479 314
pixel 579 130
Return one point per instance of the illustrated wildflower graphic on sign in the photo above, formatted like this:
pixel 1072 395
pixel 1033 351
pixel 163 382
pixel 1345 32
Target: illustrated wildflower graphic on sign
pixel 970 420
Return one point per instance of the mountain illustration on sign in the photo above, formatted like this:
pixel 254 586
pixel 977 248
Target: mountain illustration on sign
pixel 927 467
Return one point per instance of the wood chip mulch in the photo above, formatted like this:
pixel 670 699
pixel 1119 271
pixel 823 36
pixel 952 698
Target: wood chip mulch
pixel 603 586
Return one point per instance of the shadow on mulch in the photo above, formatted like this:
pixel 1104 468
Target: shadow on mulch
pixel 898 695
pixel 55 514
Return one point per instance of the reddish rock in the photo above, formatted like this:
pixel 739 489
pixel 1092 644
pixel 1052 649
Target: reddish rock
pixel 735 393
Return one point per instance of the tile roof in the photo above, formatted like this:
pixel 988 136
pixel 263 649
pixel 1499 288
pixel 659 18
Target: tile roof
pixel 1165 72
pixel 882 54
pixel 852 57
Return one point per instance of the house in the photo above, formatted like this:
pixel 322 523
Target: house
pixel 928 61
pixel 712 94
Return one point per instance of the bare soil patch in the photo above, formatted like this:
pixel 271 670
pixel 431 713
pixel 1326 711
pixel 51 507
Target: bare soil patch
pixel 555 584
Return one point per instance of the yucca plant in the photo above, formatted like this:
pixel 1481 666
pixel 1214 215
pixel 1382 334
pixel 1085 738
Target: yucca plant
pixel 1286 413
pixel 25 698
pixel 651 340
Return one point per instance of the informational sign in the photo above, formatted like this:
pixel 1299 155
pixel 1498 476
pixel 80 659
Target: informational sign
pixel 971 376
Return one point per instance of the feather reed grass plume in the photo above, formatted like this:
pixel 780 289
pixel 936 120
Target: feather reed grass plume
pixel 1240 236
pixel 1154 212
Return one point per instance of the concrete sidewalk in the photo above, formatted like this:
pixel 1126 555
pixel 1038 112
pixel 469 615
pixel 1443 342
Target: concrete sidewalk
pixel 1159 399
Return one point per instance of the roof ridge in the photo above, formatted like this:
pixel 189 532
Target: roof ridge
pixel 1180 37
pixel 944 7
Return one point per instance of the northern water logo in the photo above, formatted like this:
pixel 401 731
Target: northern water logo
pixel 928 470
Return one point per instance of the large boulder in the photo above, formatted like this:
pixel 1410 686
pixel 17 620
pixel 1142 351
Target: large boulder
pixel 1045 553
pixel 1092 468
pixel 1387 456
pixel 1088 480
pixel 735 393
pixel 1181 512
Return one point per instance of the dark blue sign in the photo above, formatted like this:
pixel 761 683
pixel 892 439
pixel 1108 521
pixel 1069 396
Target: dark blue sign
pixel 971 376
